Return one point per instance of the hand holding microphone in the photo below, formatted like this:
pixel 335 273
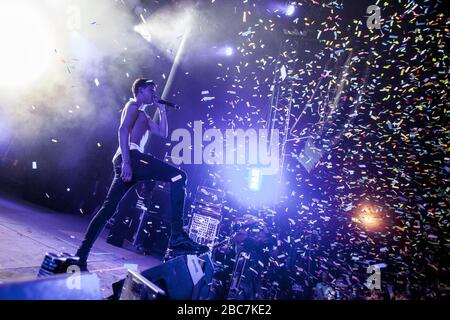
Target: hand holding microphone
pixel 169 104
pixel 157 100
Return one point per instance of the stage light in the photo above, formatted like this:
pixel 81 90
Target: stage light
pixel 368 216
pixel 250 187
pixel 290 10
pixel 224 51
pixel 165 29
pixel 368 220
pixel 144 32
pixel 229 51
pixel 26 43
pixel 254 181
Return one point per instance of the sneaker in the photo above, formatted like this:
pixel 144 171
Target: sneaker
pixel 82 264
pixel 181 243
pixel 83 268
pixel 79 260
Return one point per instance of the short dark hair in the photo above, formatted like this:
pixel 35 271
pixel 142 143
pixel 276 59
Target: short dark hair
pixel 140 84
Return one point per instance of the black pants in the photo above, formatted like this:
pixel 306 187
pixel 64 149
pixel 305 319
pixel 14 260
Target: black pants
pixel 145 167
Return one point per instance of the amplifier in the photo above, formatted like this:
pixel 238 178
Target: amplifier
pixel 55 263
pixel 209 197
pixel 204 225
pixel 185 277
pixel 137 287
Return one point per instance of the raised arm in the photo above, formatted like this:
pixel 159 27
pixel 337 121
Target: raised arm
pixel 129 116
pixel 158 125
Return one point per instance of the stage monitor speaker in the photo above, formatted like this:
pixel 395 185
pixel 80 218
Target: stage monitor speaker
pixel 83 286
pixel 182 278
pixel 137 287
pixel 55 263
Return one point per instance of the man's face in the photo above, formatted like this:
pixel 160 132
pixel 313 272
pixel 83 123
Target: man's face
pixel 149 93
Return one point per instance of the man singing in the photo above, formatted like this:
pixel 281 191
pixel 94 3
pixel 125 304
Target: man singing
pixel 131 165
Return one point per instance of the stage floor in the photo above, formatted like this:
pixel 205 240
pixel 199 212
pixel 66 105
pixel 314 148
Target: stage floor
pixel 27 232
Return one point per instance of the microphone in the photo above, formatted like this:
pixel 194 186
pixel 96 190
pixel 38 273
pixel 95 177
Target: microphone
pixel 169 104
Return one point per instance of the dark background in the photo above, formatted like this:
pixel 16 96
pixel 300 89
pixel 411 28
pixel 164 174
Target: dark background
pixel 395 152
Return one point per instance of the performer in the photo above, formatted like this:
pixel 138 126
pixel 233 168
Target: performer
pixel 131 164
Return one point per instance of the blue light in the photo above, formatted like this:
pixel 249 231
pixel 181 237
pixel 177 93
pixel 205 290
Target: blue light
pixel 290 10
pixel 254 181
pixel 251 187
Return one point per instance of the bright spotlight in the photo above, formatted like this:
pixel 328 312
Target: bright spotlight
pixel 166 29
pixel 229 51
pixel 144 32
pixel 26 43
pixel 290 10
pixel 254 181
pixel 251 187
pixel 368 216
pixel 225 51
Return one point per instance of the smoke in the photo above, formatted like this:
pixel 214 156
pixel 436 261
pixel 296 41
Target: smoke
pixel 95 58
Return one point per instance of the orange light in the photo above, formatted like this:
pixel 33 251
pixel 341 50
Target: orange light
pixel 368 216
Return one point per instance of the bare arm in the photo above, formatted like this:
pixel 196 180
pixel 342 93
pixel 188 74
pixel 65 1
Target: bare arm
pixel 129 116
pixel 158 125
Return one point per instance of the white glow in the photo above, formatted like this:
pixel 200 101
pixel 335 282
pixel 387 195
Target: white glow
pixel 290 10
pixel 368 216
pixel 254 182
pixel 166 29
pixel 144 32
pixel 229 51
pixel 26 43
